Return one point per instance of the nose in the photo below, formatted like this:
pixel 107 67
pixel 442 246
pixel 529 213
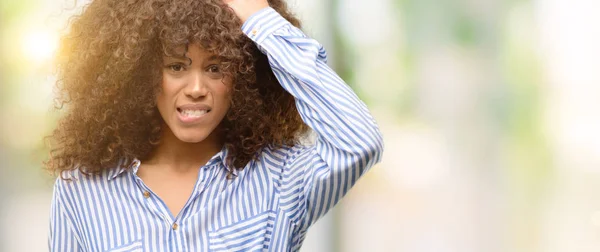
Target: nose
pixel 196 88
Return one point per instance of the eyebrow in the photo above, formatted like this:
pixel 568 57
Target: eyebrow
pixel 172 59
pixel 213 57
pixel 175 58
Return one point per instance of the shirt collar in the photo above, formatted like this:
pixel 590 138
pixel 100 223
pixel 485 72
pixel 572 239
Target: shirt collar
pixel 221 158
pixel 116 171
pixel 134 165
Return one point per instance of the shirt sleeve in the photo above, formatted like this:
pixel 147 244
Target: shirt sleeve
pixel 348 139
pixel 61 235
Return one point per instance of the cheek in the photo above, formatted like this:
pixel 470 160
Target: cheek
pixel 161 96
pixel 168 88
pixel 161 104
pixel 164 95
pixel 223 93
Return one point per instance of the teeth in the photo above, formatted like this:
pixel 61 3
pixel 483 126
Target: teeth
pixel 193 113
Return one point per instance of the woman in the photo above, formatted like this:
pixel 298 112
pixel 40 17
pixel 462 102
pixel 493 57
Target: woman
pixel 183 124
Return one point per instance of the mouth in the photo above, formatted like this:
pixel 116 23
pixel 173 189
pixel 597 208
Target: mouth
pixel 191 115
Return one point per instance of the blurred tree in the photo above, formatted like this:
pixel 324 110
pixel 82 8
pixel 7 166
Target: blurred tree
pixel 476 84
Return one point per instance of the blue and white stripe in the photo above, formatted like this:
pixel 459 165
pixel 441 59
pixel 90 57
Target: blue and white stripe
pixel 269 205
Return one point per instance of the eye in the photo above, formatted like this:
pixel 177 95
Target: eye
pixel 214 69
pixel 176 67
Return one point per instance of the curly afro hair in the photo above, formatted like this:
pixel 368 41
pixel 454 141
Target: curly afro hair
pixel 108 67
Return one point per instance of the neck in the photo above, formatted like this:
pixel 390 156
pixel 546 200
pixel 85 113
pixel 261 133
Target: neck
pixel 174 154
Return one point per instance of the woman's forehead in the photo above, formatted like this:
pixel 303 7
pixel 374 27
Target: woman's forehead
pixel 185 48
pixel 194 51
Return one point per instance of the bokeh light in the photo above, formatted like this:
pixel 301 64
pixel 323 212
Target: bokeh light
pixel 38 45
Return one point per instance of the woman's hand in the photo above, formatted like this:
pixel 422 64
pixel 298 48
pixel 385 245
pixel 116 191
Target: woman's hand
pixel 245 8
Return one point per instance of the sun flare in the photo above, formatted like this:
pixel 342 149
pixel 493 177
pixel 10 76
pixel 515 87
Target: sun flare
pixel 39 46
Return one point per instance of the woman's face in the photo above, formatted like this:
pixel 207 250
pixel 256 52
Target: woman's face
pixel 194 97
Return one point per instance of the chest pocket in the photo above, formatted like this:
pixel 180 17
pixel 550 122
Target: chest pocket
pixel 247 235
pixel 135 246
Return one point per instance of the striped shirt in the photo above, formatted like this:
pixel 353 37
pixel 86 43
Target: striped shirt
pixel 267 206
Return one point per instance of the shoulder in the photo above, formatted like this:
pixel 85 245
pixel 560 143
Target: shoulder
pixel 77 183
pixel 72 180
pixel 78 192
pixel 283 153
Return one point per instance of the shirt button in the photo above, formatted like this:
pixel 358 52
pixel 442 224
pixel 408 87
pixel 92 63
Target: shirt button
pixel 175 226
pixel 254 31
pixel 146 194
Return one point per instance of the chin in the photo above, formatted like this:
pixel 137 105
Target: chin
pixel 191 137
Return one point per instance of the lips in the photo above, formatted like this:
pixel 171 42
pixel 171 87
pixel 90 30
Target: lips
pixel 192 113
pixel 194 107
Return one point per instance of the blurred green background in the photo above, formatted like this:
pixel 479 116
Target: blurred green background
pixel 489 110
